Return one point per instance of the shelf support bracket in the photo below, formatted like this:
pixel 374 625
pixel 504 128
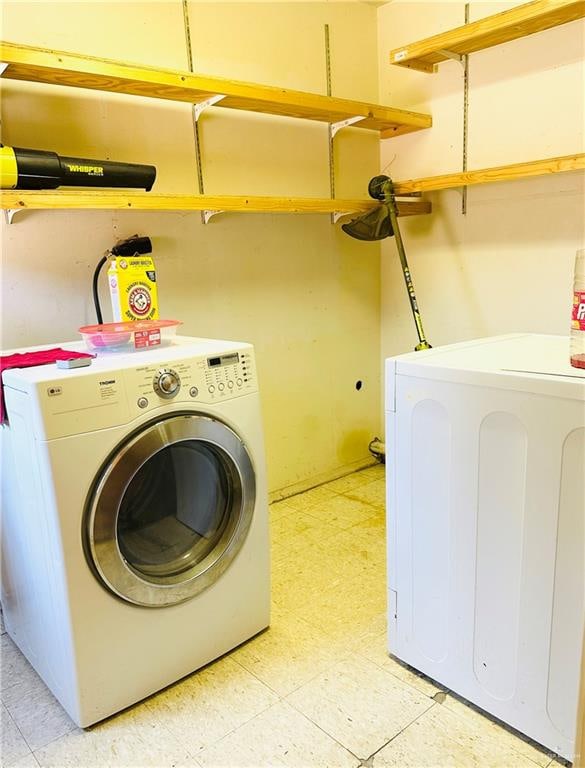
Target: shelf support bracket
pixel 336 215
pixel 335 127
pixel 10 213
pixel 198 110
pixel 3 66
pixel 207 214
pixel 451 55
pixel 201 106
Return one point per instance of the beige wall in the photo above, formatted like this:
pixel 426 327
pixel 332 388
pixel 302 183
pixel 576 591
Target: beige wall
pixel 507 265
pixel 304 293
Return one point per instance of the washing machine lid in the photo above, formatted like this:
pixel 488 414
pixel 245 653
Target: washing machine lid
pixel 525 362
pixel 170 510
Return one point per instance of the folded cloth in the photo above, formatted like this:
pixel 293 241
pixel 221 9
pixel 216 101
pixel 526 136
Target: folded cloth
pixel 29 360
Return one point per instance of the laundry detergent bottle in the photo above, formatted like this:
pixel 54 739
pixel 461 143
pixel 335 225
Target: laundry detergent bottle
pixel 578 316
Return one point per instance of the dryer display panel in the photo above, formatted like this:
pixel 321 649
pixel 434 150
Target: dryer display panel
pixel 231 359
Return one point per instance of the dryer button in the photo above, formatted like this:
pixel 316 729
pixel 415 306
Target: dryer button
pixel 142 402
pixel 221 386
pixel 211 389
pixel 193 391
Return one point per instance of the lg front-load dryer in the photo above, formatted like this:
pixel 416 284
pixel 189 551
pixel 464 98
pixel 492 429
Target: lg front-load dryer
pixel 135 519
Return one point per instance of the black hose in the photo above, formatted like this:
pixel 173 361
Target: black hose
pixel 96 298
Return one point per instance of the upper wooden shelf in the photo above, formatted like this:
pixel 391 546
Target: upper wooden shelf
pixel 92 200
pixel 59 68
pixel 493 30
pixel 491 175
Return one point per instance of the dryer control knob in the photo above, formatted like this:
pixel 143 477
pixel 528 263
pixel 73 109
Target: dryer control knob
pixel 166 383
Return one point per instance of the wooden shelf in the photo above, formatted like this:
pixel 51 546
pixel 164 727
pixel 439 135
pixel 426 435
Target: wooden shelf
pixel 67 199
pixel 493 30
pixel 491 175
pixel 59 68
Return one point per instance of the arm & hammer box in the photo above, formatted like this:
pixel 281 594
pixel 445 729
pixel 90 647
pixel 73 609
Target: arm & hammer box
pixel 132 281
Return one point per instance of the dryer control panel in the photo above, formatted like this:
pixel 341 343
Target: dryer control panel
pixel 209 379
pixel 116 388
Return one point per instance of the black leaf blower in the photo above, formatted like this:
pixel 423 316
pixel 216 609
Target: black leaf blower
pixel 38 169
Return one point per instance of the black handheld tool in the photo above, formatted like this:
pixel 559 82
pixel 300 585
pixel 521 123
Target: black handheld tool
pixel 39 169
pixel 382 222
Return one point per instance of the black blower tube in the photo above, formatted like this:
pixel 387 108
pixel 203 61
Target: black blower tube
pixel 38 169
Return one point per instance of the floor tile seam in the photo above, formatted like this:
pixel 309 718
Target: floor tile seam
pixel 241 725
pixel 17 728
pixel 377 507
pixel 183 744
pixel 329 735
pixel 493 726
pixel 325 666
pixel 496 725
pixel 160 723
pixel 308 490
pixel 310 527
pixel 35 757
pixel 404 682
pixel 264 683
pixel 8 688
pixel 310 511
pixel 428 709
pixel 363 485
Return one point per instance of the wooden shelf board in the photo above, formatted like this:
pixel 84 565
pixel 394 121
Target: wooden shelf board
pixel 491 175
pixel 60 68
pixel 67 199
pixel 493 30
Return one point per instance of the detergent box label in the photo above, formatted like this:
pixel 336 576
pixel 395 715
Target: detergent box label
pixel 132 281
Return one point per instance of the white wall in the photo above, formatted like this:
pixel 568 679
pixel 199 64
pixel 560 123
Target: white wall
pixel 301 291
pixel 507 265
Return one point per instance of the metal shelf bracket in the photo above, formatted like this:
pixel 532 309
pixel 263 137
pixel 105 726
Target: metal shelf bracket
pixel 336 215
pixel 10 213
pixel 3 66
pixel 201 106
pixel 451 55
pixel 207 214
pixel 335 127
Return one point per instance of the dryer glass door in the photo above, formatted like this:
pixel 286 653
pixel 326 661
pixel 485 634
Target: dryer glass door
pixel 171 510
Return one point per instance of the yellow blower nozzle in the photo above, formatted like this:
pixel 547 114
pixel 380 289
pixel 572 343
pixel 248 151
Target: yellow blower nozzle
pixel 39 169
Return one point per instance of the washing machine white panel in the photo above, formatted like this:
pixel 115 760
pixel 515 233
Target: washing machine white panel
pixel 97 652
pixel 118 387
pixel 485 456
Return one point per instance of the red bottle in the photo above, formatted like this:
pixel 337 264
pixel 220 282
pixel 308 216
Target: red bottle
pixel 578 316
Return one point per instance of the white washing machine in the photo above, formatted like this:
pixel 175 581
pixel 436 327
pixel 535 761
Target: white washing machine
pixel 135 541
pixel 486 525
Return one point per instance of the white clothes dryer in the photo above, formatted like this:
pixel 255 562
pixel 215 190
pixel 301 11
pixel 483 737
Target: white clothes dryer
pixel 135 542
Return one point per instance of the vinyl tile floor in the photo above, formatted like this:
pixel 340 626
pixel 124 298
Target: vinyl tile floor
pixel 316 689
